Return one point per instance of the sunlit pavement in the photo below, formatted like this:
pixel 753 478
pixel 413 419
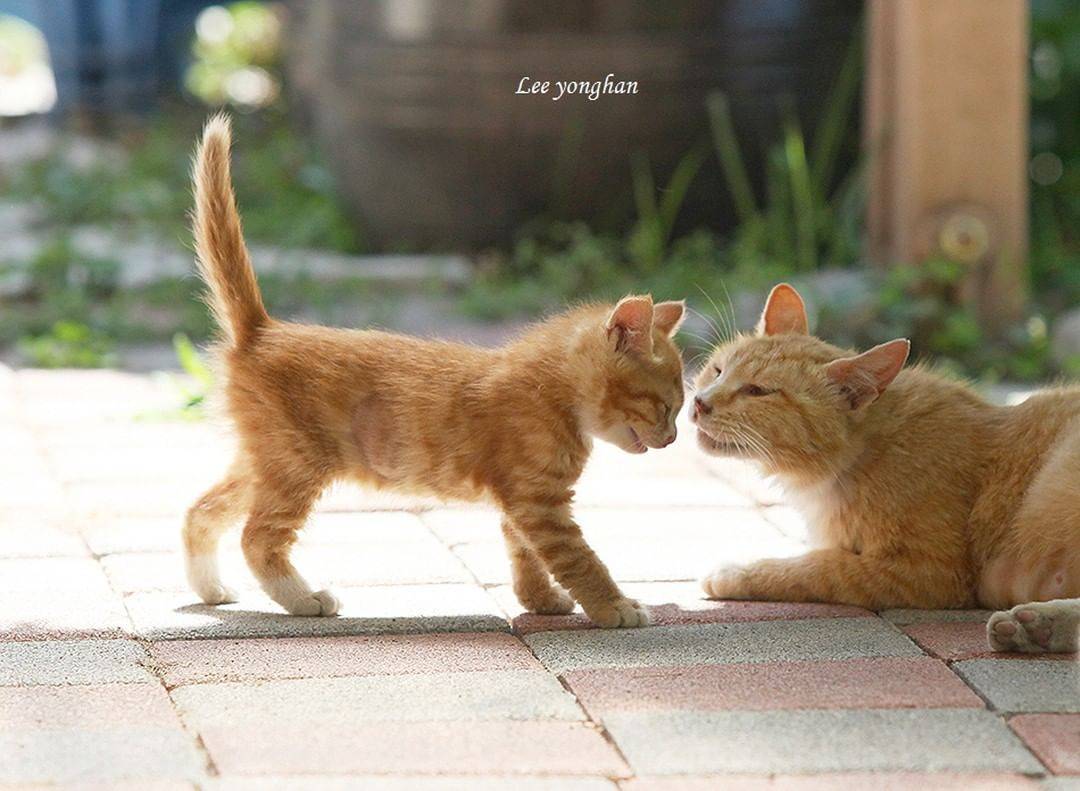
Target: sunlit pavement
pixel 112 673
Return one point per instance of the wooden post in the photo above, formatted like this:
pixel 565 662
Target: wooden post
pixel 945 128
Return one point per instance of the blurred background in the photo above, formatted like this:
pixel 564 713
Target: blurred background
pixel 913 167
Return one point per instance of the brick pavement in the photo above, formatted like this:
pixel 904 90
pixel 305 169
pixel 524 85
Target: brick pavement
pixel 111 673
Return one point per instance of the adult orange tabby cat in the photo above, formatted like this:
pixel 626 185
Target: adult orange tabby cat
pixel 917 492
pixel 312 405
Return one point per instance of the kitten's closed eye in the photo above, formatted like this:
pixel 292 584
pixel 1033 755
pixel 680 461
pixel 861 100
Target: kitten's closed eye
pixel 718 371
pixel 755 390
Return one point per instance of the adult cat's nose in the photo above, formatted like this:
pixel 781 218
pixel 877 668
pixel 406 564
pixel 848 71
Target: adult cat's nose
pixel 700 407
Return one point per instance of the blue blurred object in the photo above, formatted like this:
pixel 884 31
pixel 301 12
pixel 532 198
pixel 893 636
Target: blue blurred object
pixel 112 56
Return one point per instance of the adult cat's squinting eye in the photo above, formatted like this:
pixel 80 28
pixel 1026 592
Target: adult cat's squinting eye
pixel 718 371
pixel 754 390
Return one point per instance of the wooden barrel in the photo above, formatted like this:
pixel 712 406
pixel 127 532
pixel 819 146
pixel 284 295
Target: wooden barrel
pixel 416 103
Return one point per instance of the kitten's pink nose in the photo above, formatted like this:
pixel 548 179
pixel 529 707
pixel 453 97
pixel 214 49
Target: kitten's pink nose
pixel 700 407
pixel 670 439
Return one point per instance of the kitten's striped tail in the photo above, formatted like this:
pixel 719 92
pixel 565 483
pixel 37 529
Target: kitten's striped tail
pixel 223 257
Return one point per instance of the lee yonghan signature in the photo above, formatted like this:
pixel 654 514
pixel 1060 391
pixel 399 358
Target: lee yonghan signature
pixel 592 89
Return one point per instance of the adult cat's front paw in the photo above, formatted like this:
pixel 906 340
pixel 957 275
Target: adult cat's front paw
pixel 727 582
pixel 619 613
pixel 1039 627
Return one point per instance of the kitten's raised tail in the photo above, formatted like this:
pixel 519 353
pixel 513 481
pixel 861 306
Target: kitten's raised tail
pixel 219 241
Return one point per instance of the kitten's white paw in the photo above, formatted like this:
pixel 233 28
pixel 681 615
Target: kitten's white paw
pixel 554 601
pixel 726 582
pixel 1039 627
pixel 319 603
pixel 203 576
pixel 620 613
pixel 217 594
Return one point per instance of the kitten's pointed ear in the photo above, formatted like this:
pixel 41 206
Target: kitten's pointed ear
pixel 630 323
pixel 865 376
pixel 784 312
pixel 668 316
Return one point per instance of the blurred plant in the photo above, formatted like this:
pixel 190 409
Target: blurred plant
pixel 236 51
pixel 195 392
pixel 69 344
pixel 1054 167
pixel 648 242
pixel 804 223
pixel 922 302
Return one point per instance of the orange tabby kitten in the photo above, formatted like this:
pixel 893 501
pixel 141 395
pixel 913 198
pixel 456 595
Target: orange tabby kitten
pixel 313 405
pixel 917 492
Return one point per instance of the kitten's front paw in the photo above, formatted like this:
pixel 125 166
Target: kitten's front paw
pixel 216 593
pixel 618 614
pixel 727 582
pixel 553 601
pixel 319 603
pixel 1039 627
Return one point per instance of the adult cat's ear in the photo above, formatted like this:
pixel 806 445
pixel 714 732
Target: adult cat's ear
pixel 784 312
pixel 865 376
pixel 630 323
pixel 668 316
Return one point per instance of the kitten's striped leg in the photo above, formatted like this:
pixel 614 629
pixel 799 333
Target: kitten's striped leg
pixel 269 534
pixel 216 511
pixel 1038 627
pixel 557 541
pixel 532 583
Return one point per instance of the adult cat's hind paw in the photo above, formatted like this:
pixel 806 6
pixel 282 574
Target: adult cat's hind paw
pixel 1038 627
pixel 620 613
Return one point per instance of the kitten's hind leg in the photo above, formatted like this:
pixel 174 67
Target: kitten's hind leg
pixel 532 584
pixel 277 514
pixel 218 509
pixel 1038 627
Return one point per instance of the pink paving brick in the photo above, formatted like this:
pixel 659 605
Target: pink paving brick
pixel 415 748
pixel 91 707
pixel 700 611
pixel 1054 738
pixel 957 640
pixel 836 782
pixel 195 661
pixel 915 682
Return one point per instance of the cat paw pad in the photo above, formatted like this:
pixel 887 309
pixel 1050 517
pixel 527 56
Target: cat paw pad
pixel 1034 628
pixel 621 613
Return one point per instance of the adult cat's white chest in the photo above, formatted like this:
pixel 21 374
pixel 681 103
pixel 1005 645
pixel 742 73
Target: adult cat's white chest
pixel 822 505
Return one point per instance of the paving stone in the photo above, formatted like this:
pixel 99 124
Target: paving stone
pixel 1025 686
pixel 657 743
pixel 408 783
pixel 37 538
pixel 905 617
pixel 765 641
pixel 377 563
pixel 675 603
pixel 504 748
pixel 197 661
pixel 855 781
pixel 487 695
pixel 110 534
pixel 54 598
pixel 386 609
pixel 91 707
pixel 844 684
pixel 83 757
pixel 72 662
pixel 1060 784
pixel 1054 738
pixel 23 490
pixel 954 640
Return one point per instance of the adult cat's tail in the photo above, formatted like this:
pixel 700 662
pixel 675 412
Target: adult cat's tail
pixel 219 241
